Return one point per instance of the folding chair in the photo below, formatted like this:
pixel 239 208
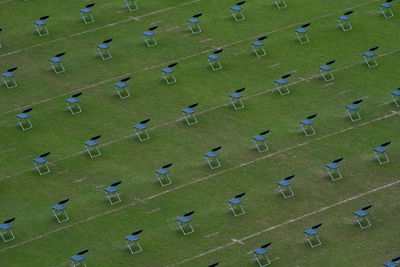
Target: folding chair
pixel 149 36
pixel 312 234
pixel 259 141
pixel 92 148
pixel 86 14
pixel 326 72
pixel 392 262
pixel 0 43
pixel 141 129
pixel 307 125
pixel 168 73
pixel 380 153
pixel 301 34
pixel 79 259
pixel 5 230
pixel 362 215
pixel 236 11
pixel 56 63
pixel 102 50
pixel 73 104
pixel 236 99
pixel 189 114
pixel 260 255
pixel 111 193
pixel 213 264
pixel 120 88
pixel 281 84
pixel 60 212
pixel 236 204
pixel 162 175
pixel 284 186
pixel 40 164
pixel 258 47
pixel 369 57
pixel 396 96
pixel 344 21
pixel 386 9
pixel 193 24
pixel 212 157
pixel 352 110
pixel 131 5
pixel 184 222
pixel 9 78
pixel 213 60
pixel 40 26
pixel 333 169
pixel 132 242
pixel 23 120
pixel 279 3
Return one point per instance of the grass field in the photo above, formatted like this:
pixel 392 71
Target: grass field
pixel 219 236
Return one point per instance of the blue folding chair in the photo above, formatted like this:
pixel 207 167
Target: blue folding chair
pixel 284 186
pixel 193 24
pixel 40 164
pixel 162 175
pixel 132 242
pixel 386 9
pixel 9 78
pixel 86 14
pixel 92 148
pixel 361 216
pixel 396 96
pixel 121 88
pixel 333 169
pixel 40 26
pixel 392 262
pixel 184 222
pixel 326 71
pixel 281 84
pixel 0 43
pixel 79 259
pixel 213 264
pixel 259 141
pixel 279 3
pixel 189 114
pixel 369 57
pixel 236 99
pixel 307 125
pixel 149 36
pixel 236 204
pixel 141 130
pixel 131 5
pixel 56 63
pixel 59 211
pixel 236 11
pixel 213 60
pixel 352 110
pixel 111 193
pixel 260 255
pixel 23 120
pixel 301 33
pixel 212 157
pixel 6 230
pixel 73 104
pixel 312 234
pixel 258 47
pixel 380 153
pixel 168 73
pixel 102 50
pixel 344 21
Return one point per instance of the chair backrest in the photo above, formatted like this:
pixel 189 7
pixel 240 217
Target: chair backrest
pixel 153 28
pixel 311 116
pixel 374 48
pixel 89 5
pixel 125 79
pixel 337 160
pixel 77 95
pixel 137 232
pixel 27 110
pixel 193 105
pixel 216 148
pixel 240 3
pixel 44 155
pixel 348 12
pixel 82 252
pixel 286 76
pixel 172 65
pixel 116 183
pixel 266 245
pixel 287 178
pixel 306 25
pixel 217 51
pixel 166 166
pixel 330 62
pixel 240 195
pixel 316 226
pixel 187 214
pixel 358 101
pixel 1 29
pixel 240 90
pixel 214 264
pixel 265 132
pixel 396 259
pixel 145 121
pixel 367 207
pixel 9 220
pixel 95 137
pixel 197 15
pixel 107 41
pixel 386 144
pixel 63 201
pixel 60 54
pixel 262 38
pixel 44 17
pixel 388 1
pixel 12 69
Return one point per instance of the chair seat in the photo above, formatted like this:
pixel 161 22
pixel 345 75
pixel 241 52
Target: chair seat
pixel 281 81
pixel 121 85
pixel 103 46
pixel 361 213
pixel 188 111
pixel 5 226
pixel 40 22
pixel 369 54
pixel 168 70
pixel 345 18
pixel 352 107
pixel 162 171
pixel 184 219
pixel 111 189
pixel 386 5
pixel 77 258
pixel 235 95
pixel 211 154
pixel 396 93
pixel 40 160
pixel 8 75
pixel 213 57
pixel 332 166
pixel 23 116
pixel 260 251
pixel 140 127
pixel 72 100
pixel 390 264
pixel 148 33
pixel 91 143
pixel 301 30
pixel 284 183
pixel 236 8
pixel 259 138
pixel 306 122
pixel 311 231
pixel 325 68
pixel 86 10
pixel 193 20
pixel 132 238
pixel 235 201
pixel 257 43
pixel 56 60
pixel 58 207
pixel 380 149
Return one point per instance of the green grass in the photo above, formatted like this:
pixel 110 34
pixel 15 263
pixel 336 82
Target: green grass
pixel 94 224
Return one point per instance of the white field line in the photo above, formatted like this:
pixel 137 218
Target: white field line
pixel 287 222
pixel 99 28
pixel 197 180
pixel 3 2
pixel 175 60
